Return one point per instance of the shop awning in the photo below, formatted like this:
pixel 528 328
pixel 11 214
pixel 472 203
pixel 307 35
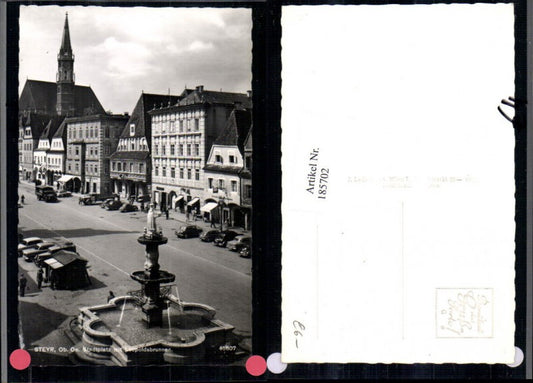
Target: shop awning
pixel 193 201
pixel 63 258
pixel 209 206
pixel 65 178
pixel 178 198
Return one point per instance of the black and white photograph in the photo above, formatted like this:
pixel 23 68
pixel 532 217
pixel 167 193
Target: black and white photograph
pixel 135 185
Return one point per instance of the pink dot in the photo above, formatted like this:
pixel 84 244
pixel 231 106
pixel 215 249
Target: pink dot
pixel 256 365
pixel 20 359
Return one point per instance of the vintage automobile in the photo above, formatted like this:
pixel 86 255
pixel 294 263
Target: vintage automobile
pixel 224 237
pixel 143 198
pixel 28 243
pixel 238 242
pixel 40 258
pixel 30 253
pixel 63 194
pixel 209 236
pixel 246 251
pixel 45 193
pixel 128 207
pixel 113 205
pixel 94 198
pixel 188 231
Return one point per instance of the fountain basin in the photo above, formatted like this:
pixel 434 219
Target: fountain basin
pixel 115 334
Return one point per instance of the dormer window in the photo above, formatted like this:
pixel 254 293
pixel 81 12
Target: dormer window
pixel 132 129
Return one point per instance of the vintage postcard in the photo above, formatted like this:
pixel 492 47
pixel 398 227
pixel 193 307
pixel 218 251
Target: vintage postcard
pixel 134 186
pixel 398 184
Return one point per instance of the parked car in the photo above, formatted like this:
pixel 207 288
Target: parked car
pixel 63 194
pixel 238 242
pixel 189 231
pixel 113 205
pixel 108 201
pixel 46 193
pixel 143 198
pixel 209 236
pixel 224 237
pixel 94 198
pixel 28 243
pixel 67 246
pixel 246 251
pixel 128 207
pixel 30 253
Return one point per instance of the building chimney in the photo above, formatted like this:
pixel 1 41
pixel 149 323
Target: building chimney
pixel 200 88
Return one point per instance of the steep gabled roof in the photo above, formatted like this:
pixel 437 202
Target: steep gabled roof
pixel 41 96
pixel 51 127
pixel 200 96
pixel 236 129
pixel 37 122
pixel 140 116
pixel 248 141
pixel 61 130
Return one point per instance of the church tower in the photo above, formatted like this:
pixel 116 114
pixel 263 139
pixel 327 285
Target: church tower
pixel 65 75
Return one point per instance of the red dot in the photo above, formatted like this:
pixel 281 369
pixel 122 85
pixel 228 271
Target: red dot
pixel 20 359
pixel 256 365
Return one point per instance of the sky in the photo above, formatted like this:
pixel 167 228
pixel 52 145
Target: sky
pixel 121 52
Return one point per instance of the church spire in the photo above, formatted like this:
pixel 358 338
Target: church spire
pixel 66 48
pixel 65 75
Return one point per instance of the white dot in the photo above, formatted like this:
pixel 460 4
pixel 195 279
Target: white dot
pixel 518 358
pixel 274 363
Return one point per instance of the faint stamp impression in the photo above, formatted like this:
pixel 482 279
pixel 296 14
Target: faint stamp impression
pixel 464 313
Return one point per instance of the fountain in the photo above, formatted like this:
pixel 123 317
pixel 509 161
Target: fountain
pixel 118 333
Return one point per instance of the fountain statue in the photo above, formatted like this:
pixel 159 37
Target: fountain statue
pixel 112 333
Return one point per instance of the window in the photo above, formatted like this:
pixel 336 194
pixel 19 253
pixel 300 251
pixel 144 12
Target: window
pixel 188 125
pixel 124 166
pixel 188 149
pixel 172 149
pixel 91 151
pixel 95 152
pixel 196 124
pixel 119 166
pixel 132 129
pixel 94 187
pixel 248 191
pixel 132 146
pixel 210 183
pixel 197 174
pixel 77 167
pixel 131 167
pixel 221 184
pixel 180 150
pixel 181 125
pixel 181 173
pixel 96 168
pixel 233 186
pixel 218 158
pixel 173 172
pixel 156 149
pixel 164 171
pixel 141 168
pixel 189 173
pixel 232 159
pixel 69 168
pixel 113 165
pixel 163 148
pixel 156 171
pixel 86 133
pixel 77 151
pixel 196 149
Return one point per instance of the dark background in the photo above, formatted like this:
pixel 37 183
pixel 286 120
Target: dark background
pixel 266 85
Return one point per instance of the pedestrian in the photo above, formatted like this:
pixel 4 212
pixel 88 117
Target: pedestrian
pixel 40 277
pixel 22 199
pixel 213 224
pixel 142 205
pixel 110 296
pixel 22 285
pixel 53 279
pixel 167 213
pixel 187 216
